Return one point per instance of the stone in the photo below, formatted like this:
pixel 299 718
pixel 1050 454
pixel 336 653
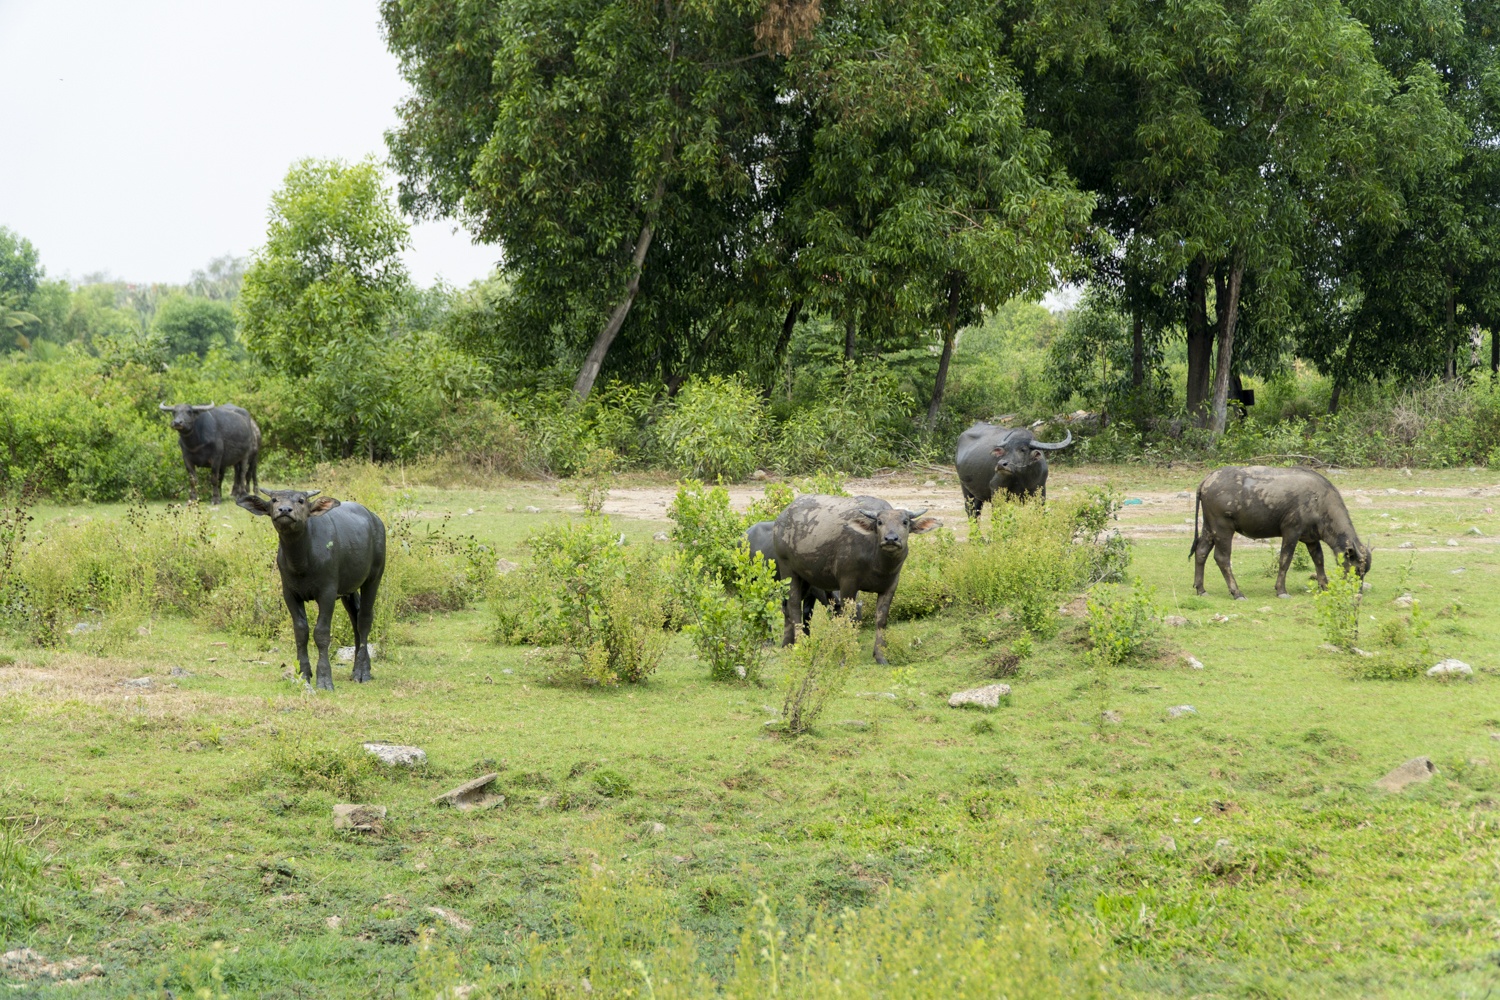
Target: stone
pixel 504 566
pixel 179 672
pixel 533 510
pixel 397 755
pixel 1178 711
pixel 1220 618
pixel 346 653
pixel 1192 661
pixel 1406 545
pixel 472 794
pixel 334 922
pixel 84 628
pixel 1476 531
pixel 1414 771
pixel 1452 541
pixel 1405 601
pixel 1166 843
pixel 142 631
pixel 885 695
pixel 929 483
pixel 1176 621
pixel 1112 716
pixel 760 475
pixel 1450 668
pixel 858 725
pixel 1495 736
pixel 657 829
pixel 450 918
pixel 661 536
pixel 359 818
pixel 138 682
pixel 983 697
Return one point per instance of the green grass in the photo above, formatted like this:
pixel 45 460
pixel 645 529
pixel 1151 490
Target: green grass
pixel 1239 851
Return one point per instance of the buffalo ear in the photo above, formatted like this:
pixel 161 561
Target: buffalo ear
pixel 926 524
pixel 255 504
pixel 322 506
pixel 998 452
pixel 1036 456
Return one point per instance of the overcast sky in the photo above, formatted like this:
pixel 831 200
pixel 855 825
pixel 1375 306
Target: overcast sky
pixel 145 137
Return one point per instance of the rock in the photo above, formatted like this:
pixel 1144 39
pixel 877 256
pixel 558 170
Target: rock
pixel 346 653
pixel 1495 736
pixel 504 566
pixel 886 695
pixel 1176 621
pixel 1178 711
pixel 360 818
pixel 1452 541
pixel 1222 844
pixel 84 628
pixel 1450 668
pixel 179 672
pixel 661 536
pixel 1475 531
pixel 1360 652
pixel 760 474
pixel 138 682
pixel 24 963
pixel 1192 661
pixel 1166 843
pixel 657 829
pixel 334 922
pixel 396 754
pixel 929 483
pixel 858 725
pixel 1406 545
pixel 472 794
pixel 1405 601
pixel 142 631
pixel 533 510
pixel 451 919
pixel 984 697
pixel 1112 716
pixel 1220 618
pixel 1414 771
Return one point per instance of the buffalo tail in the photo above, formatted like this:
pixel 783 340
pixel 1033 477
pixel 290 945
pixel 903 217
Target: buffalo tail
pixel 1197 499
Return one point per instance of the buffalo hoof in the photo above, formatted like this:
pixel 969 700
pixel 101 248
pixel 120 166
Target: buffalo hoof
pixel 325 685
pixel 1285 597
pixel 880 659
pixel 1240 597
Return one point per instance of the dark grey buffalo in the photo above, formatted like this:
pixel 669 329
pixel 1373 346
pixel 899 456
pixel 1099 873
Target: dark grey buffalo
pixel 992 460
pixel 847 545
pixel 759 537
pixel 217 438
pixel 1259 501
pixel 329 550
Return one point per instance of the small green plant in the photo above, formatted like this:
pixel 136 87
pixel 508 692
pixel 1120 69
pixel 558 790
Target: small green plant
pixel 1338 609
pixel 343 770
pixel 594 478
pixel 1122 628
pixel 199 974
pixel 818 666
pixel 734 624
pixel 706 528
pixel 622 638
pixel 715 428
pixel 20 884
pixel 1406 651
pixel 824 482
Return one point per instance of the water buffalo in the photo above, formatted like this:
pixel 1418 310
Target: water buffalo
pixel 759 537
pixel 992 459
pixel 847 545
pixel 328 551
pixel 1258 501
pixel 216 438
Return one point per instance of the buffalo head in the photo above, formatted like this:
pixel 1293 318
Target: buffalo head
pixel 1357 558
pixel 893 525
pixel 287 509
pixel 184 415
pixel 1020 452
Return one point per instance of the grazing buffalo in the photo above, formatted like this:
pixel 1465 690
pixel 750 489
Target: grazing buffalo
pixel 843 545
pixel 759 537
pixel 328 551
pixel 217 438
pixel 1258 501
pixel 994 459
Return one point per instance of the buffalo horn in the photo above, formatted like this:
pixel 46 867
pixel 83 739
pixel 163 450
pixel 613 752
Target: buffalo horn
pixel 210 406
pixel 873 515
pixel 313 494
pixel 1067 440
pixel 164 406
pixel 914 514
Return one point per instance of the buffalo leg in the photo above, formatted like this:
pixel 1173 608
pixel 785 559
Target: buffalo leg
pixel 882 611
pixel 972 504
pixel 1288 550
pixel 1315 549
pixel 322 632
pixel 192 481
pixel 1222 549
pixel 792 611
pixel 216 480
pixel 362 629
pixel 299 632
pixel 252 477
pixel 238 489
pixel 351 605
pixel 1201 548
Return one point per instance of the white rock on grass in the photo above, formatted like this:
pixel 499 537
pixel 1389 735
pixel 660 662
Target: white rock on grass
pixel 1176 621
pixel 1450 668
pixel 452 919
pixel 1192 661
pixel 346 653
pixel 361 818
pixel 1452 541
pixel 1405 600
pixel 1406 545
pixel 1111 716
pixel 397 755
pixel 504 566
pixel 1178 711
pixel 661 536
pixel 1414 771
pixel 533 510
pixel 984 697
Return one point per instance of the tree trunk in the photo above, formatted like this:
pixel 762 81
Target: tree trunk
pixel 849 329
pixel 1137 352
pixel 1494 351
pixel 1450 317
pixel 1333 398
pixel 1199 347
pixel 595 359
pixel 1228 309
pixel 793 313
pixel 950 334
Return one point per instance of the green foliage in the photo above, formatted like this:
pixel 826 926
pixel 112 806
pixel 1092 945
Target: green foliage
pixel 1338 608
pixel 344 771
pixel 707 529
pixel 1406 649
pixel 1122 628
pixel 714 428
pixel 854 420
pixel 20 880
pixel 594 479
pixel 817 668
pixel 737 616
pixel 193 325
pixel 623 635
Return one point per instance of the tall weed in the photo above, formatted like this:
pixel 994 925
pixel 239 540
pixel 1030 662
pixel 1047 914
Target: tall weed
pixel 1337 608
pixel 818 667
pixel 20 884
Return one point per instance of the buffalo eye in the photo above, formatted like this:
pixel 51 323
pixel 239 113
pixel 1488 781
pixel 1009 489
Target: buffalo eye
pixel 301 500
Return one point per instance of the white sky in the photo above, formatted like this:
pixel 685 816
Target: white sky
pixel 145 137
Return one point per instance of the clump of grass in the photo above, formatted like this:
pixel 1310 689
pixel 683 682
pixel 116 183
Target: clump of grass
pixel 344 771
pixel 1406 649
pixel 20 884
pixel 594 478
pixel 818 667
pixel 1122 627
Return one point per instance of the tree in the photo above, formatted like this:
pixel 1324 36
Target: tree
pixel 191 325
pixel 579 135
pixel 20 267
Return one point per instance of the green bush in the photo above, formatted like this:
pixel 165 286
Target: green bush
pixel 714 428
pixel 1122 627
pixel 856 420
pixel 818 667
pixel 738 618
pixel 1337 608
pixel 1406 649
pixel 707 529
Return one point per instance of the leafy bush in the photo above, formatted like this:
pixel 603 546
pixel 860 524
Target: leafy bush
pixel 738 618
pixel 707 530
pixel 1122 628
pixel 1337 608
pixel 818 667
pixel 343 771
pixel 855 421
pixel 621 640
pixel 714 428
pixel 1406 651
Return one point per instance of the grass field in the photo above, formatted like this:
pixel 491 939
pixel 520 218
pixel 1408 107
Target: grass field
pixel 178 835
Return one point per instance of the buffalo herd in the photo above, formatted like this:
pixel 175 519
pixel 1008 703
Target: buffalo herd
pixel 829 548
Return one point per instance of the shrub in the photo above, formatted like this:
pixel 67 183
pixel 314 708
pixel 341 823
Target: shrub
pixel 736 620
pixel 1406 653
pixel 856 421
pixel 707 530
pixel 714 428
pixel 342 771
pixel 1122 628
pixel 594 479
pixel 621 638
pixel 1337 608
pixel 818 667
